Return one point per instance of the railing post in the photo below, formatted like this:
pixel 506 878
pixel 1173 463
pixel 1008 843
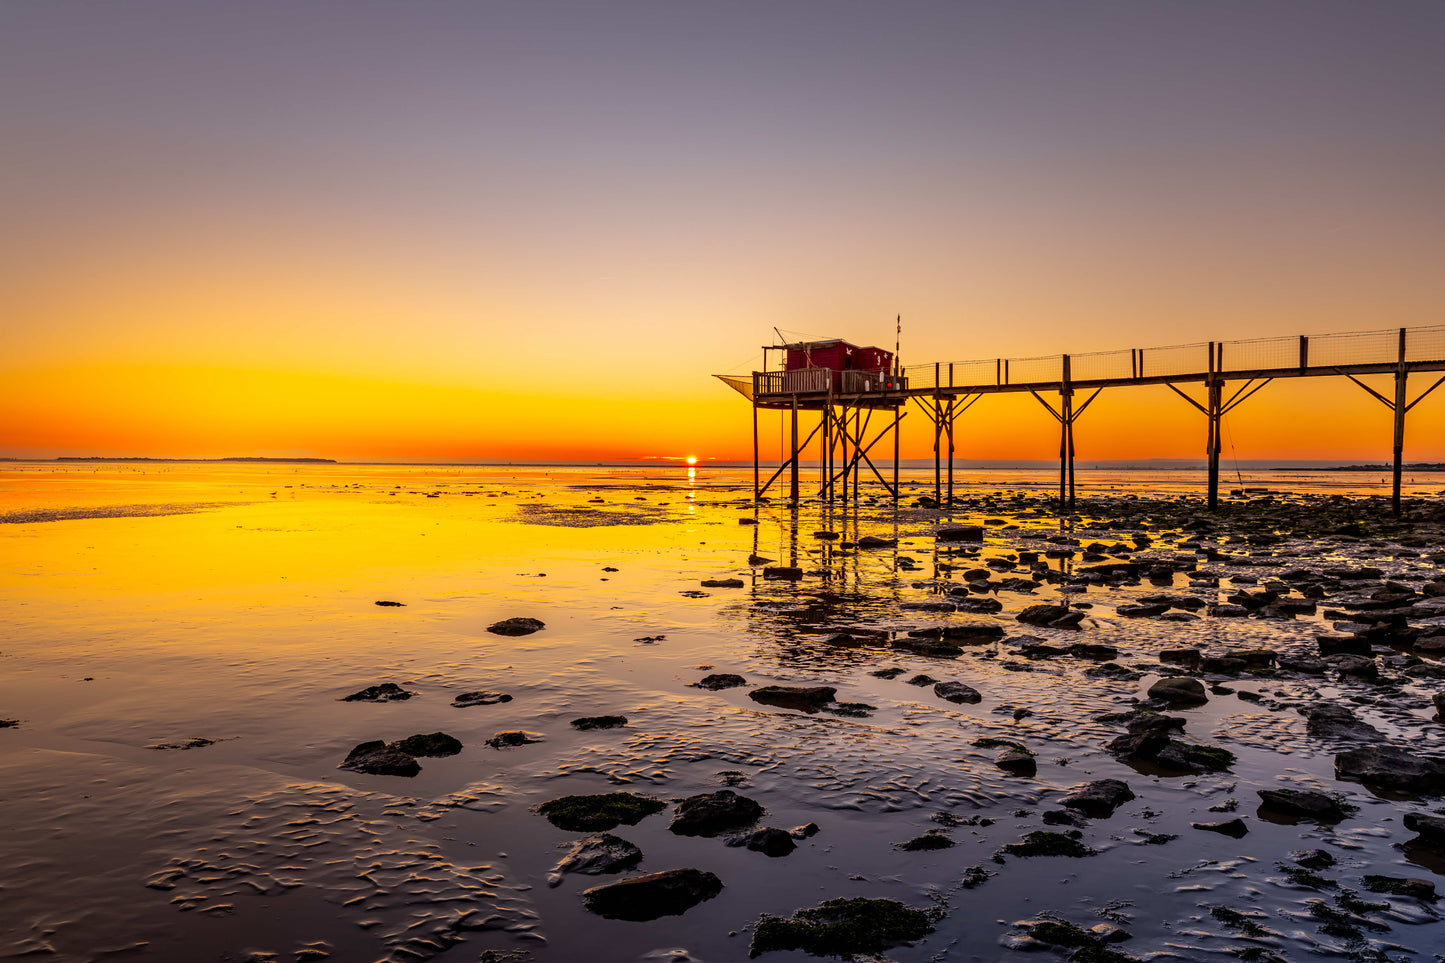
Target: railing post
pixel 1304 353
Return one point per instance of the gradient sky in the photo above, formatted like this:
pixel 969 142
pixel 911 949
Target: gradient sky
pixel 533 230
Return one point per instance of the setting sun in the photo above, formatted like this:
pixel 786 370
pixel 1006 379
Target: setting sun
pixel 692 459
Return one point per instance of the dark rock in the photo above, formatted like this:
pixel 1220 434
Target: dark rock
pixel 926 646
pixel 722 583
pixel 1140 611
pixel 1017 760
pixel 669 893
pixel 756 560
pixel 587 723
pixel 1093 650
pixel 430 744
pixel 957 692
pixel 1338 722
pixel 1233 827
pixel 1043 843
pixel 1314 859
pixel 510 739
pixel 1431 828
pixel 385 692
pixel 785 572
pixel 598 812
pixel 978 605
pixel 519 626
pixel 719 680
pixel 596 856
pixel 480 698
pixel 1343 645
pixel 376 758
pixel 802 698
pixel 843 927
pixel 1401 886
pixel 1388 767
pixel 931 840
pixel 1303 803
pixel 1062 817
pixel 1051 616
pixel 770 842
pixel 709 814
pixel 962 533
pixel 393 604
pixel 1357 666
pixel 873 541
pixel 1179 692
pixel 1098 799
pixel 1189 658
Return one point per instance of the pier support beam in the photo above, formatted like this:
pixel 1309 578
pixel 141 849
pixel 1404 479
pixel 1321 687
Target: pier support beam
pixel 942 411
pixel 1066 414
pixel 793 488
pixel 1401 407
pixel 1215 408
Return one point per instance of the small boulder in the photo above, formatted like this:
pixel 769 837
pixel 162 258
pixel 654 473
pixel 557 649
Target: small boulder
pixel 480 698
pixel 784 572
pixel 511 739
pixel 1339 722
pixel 599 811
pixel 1302 803
pixel 1051 616
pixel 802 698
pixel 1041 842
pixel 596 856
pixel 376 758
pixel 430 744
pixel 1431 829
pixel 719 680
pixel 1233 827
pixel 518 626
pixel 669 893
pixel 769 842
pixel 957 692
pixel 587 723
pixel 1098 799
pixel 385 692
pixel 1388 767
pixel 722 583
pixel 708 814
pixel 1179 692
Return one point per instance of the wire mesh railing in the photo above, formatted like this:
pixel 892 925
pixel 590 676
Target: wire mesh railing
pixel 1313 354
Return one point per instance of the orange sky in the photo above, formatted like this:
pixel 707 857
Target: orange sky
pixel 433 233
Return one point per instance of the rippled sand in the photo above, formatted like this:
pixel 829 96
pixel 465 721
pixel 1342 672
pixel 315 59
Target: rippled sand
pixel 222 613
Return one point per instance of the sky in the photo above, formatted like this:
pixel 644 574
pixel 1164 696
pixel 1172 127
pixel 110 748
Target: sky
pixel 465 230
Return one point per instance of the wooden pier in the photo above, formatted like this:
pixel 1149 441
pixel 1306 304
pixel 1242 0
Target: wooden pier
pixel 847 400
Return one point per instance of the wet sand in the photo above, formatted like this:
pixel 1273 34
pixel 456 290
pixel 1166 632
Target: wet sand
pixel 179 641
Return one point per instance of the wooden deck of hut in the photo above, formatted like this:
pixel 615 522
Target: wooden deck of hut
pixel 847 398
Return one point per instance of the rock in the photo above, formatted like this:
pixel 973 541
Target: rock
pixel 1179 692
pixel 802 698
pixel 960 533
pixel 843 927
pixel 430 744
pixel 600 811
pixel 1189 658
pixel 391 604
pixel 587 723
pixel 1051 616
pixel 770 842
pixel 1092 650
pixel 1043 843
pixel 873 541
pixel 596 856
pixel 927 646
pixel 957 692
pixel 1155 751
pixel 1343 645
pixel 378 759
pixel 719 680
pixel 708 814
pixel 1098 799
pixel 1431 828
pixel 1438 699
pixel 1338 722
pixel 978 605
pixel 722 583
pixel 1017 760
pixel 1388 767
pixel 756 560
pixel 1141 611
pixel 931 840
pixel 1401 886
pixel 669 893
pixel 805 831
pixel 785 572
pixel 1357 666
pixel 1313 858
pixel 517 626
pixel 1303 803
pixel 385 692
pixel 480 698
pixel 511 739
pixel 1233 827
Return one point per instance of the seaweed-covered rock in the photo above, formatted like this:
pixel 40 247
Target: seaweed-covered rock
pixel 481 697
pixel 599 811
pixel 708 814
pixel 376 758
pixel 384 692
pixel 1098 799
pixel 1389 767
pixel 669 893
pixel 1041 842
pixel 842 927
pixel 1401 886
pixel 1179 692
pixel 596 856
pixel 518 626
pixel 429 744
pixel 802 698
pixel 587 723
pixel 719 680
pixel 1302 803
pixel 957 692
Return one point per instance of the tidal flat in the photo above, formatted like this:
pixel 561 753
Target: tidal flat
pixel 1139 730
